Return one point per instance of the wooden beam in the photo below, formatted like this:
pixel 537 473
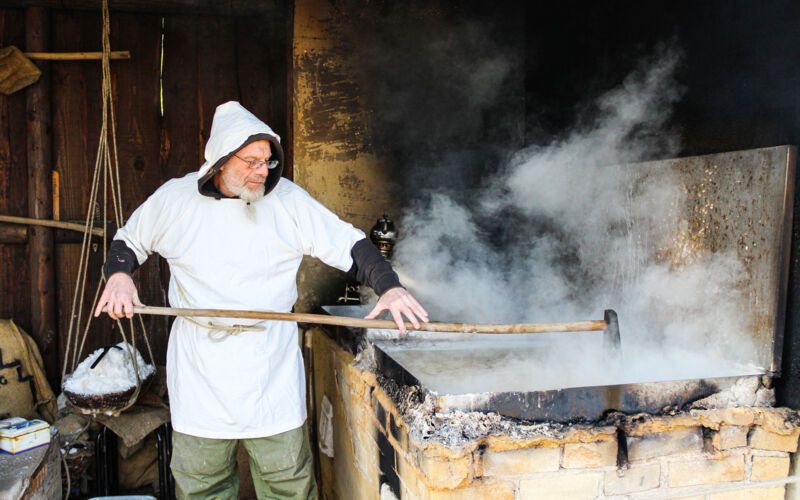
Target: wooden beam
pixel 74 226
pixel 40 199
pixel 189 7
pixel 76 56
pixel 13 234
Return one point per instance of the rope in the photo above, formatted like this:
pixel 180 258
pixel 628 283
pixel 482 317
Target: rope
pixel 65 443
pixel 107 166
pixel 218 333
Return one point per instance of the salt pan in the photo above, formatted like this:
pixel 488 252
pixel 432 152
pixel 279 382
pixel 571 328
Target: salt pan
pixel 113 373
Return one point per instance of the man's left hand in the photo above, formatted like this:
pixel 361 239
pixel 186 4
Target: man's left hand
pixel 400 303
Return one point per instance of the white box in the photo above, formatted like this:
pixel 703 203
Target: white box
pixel 18 435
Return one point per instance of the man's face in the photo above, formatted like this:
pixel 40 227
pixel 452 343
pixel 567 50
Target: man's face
pixel 238 179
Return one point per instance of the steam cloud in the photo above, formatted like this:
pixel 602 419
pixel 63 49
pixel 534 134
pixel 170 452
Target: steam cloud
pixel 570 228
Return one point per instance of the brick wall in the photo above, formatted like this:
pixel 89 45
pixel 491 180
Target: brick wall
pixel 698 454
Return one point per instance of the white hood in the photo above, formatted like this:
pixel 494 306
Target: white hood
pixel 233 128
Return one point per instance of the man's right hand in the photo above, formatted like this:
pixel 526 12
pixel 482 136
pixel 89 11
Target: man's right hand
pixel 119 296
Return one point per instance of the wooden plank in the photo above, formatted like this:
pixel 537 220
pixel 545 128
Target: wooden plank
pixel 136 85
pixel 76 56
pixel 76 128
pixel 217 76
pixel 14 267
pixel 261 66
pixel 76 110
pixel 181 140
pixel 40 198
pixel 288 97
pixel 136 90
pixel 255 69
pixel 217 7
pixel 182 145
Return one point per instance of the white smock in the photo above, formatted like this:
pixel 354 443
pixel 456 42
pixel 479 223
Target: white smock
pixel 224 254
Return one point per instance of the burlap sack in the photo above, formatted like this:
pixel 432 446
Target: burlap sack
pixel 140 468
pixel 24 391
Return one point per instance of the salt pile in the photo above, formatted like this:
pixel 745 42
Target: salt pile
pixel 113 373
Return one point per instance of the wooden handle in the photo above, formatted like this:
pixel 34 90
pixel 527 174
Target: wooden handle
pixel 76 56
pixel 324 319
pixel 49 223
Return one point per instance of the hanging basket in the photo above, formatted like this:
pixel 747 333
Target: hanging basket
pixel 89 398
pixel 112 403
pixel 109 402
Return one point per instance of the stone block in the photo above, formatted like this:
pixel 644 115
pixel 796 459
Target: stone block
pixel 386 492
pixel 445 473
pixel 515 462
pixel 740 415
pixel 765 440
pixel 580 486
pixel 679 441
pixel 766 468
pixel 398 431
pixel 729 436
pixel 484 488
pixel 380 413
pixel 406 493
pixel 751 494
pixel 637 478
pixel 411 481
pixel 715 470
pixel 365 449
pixel 586 455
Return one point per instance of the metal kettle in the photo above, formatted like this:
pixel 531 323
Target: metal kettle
pixel 384 235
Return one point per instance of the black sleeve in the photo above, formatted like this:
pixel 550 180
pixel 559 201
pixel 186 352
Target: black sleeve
pixel 370 268
pixel 121 259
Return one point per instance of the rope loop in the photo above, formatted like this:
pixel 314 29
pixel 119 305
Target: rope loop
pixel 218 333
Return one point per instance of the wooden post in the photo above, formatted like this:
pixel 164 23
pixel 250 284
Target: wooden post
pixel 40 201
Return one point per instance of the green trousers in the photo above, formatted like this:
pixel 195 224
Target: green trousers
pixel 281 466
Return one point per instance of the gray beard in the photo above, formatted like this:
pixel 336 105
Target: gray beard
pixel 243 193
pixel 250 196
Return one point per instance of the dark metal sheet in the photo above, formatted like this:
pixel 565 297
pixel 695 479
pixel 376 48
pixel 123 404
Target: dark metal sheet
pixel 741 202
pixel 588 403
pixel 470 357
pixel 737 202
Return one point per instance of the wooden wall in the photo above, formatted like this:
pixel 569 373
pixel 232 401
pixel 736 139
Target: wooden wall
pixel 14 271
pixel 208 60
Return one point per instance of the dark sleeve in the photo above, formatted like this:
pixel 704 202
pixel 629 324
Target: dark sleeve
pixel 370 268
pixel 121 259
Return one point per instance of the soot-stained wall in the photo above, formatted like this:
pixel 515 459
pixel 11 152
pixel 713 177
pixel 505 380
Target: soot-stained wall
pixel 393 100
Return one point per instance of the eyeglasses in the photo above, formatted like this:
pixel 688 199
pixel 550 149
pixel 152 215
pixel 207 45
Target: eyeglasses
pixel 254 164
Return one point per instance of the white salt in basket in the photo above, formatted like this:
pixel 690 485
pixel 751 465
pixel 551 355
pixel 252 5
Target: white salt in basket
pixel 106 382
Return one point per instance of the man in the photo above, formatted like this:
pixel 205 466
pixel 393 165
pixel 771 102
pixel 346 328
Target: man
pixel 234 234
